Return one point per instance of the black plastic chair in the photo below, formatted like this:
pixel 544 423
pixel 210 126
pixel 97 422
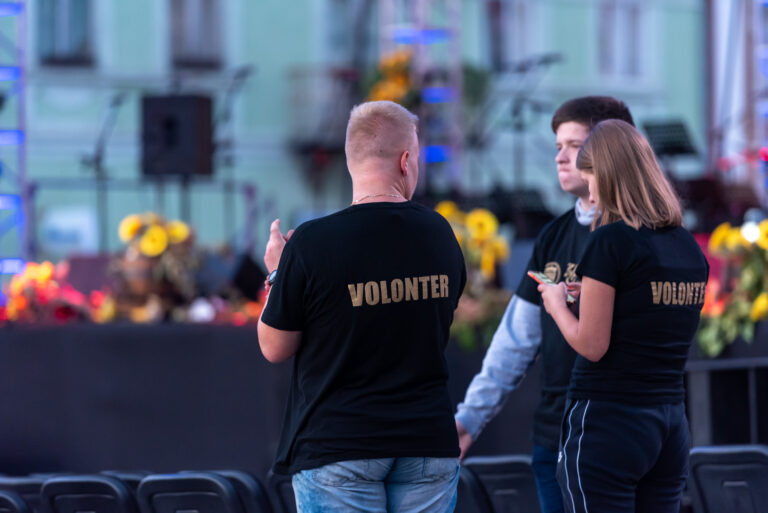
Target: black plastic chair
pixel 507 481
pixel 130 477
pixel 471 495
pixel 731 479
pixel 281 487
pixel 252 494
pixel 199 492
pixel 11 502
pixel 28 488
pixel 92 493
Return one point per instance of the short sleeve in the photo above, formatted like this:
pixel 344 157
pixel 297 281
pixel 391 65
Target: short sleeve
pixel 600 259
pixel 285 308
pixel 463 283
pixel 528 287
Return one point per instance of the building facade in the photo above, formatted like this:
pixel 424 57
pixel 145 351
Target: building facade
pixel 282 73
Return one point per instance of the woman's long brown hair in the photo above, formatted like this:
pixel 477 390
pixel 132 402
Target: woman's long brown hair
pixel 630 184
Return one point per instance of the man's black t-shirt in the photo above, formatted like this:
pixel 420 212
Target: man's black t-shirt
pixel 372 288
pixel 555 253
pixel 659 276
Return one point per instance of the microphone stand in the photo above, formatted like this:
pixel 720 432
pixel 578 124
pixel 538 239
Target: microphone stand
pixel 95 161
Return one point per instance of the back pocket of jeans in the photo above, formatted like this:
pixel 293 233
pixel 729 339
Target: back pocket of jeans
pixel 440 468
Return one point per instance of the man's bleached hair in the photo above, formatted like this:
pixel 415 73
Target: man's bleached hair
pixel 381 130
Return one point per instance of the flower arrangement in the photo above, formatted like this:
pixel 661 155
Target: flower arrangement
pixel 737 300
pixel 483 303
pixel 393 81
pixel 155 273
pixel 151 235
pixel 154 279
pixel 41 294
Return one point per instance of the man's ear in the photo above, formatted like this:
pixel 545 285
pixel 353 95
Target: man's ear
pixel 404 162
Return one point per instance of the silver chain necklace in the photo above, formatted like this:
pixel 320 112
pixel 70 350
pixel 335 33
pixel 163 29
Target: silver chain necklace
pixel 358 200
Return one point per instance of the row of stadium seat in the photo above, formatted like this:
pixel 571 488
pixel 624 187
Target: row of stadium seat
pixel 221 491
pixel 728 478
pixel 732 479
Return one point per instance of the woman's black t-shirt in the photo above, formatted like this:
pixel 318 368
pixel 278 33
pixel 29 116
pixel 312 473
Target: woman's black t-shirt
pixel 659 276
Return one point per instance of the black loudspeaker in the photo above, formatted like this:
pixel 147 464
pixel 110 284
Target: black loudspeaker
pixel 177 136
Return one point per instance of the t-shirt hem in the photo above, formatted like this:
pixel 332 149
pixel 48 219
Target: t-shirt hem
pixel 596 275
pixel 293 468
pixel 645 400
pixel 276 324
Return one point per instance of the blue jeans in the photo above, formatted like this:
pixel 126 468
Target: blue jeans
pixel 404 485
pixel 545 471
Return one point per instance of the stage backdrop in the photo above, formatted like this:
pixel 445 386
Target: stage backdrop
pixel 85 398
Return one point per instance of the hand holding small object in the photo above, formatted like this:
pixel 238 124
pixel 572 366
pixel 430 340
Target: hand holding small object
pixel 572 292
pixel 553 296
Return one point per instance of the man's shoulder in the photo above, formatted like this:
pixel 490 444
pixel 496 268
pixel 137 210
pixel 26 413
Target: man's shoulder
pixel 320 225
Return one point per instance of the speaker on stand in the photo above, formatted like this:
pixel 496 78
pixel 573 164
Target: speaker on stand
pixel 177 141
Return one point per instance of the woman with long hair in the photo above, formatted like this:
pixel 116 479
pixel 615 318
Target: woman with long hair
pixel 624 437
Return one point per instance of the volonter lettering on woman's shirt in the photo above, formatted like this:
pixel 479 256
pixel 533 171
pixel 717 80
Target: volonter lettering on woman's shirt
pixel 682 293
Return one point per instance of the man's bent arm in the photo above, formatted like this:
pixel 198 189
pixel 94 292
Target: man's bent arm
pixel 277 345
pixel 512 350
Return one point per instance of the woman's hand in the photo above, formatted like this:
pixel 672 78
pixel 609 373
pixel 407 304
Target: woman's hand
pixel 574 289
pixel 553 296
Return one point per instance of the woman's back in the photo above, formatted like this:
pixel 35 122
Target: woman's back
pixel 659 277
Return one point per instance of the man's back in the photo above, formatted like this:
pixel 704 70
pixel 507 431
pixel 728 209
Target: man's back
pixel 372 289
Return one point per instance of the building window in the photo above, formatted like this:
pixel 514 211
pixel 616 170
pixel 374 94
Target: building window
pixel 64 32
pixel 495 11
pixel 195 34
pixel 619 32
pixel 509 42
pixel 519 40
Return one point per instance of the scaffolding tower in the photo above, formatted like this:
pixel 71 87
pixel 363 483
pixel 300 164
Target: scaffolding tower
pixel 15 192
pixel 432 29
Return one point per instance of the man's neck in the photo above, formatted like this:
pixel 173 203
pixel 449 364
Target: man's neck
pixel 376 187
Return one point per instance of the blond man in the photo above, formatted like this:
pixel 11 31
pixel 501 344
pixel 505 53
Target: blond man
pixel 363 299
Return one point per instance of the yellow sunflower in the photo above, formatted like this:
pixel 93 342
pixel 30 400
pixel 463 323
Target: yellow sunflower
pixel 488 262
pixel 178 231
pixel 735 240
pixel 129 227
pixel 395 62
pixel 759 307
pixel 501 248
pixel 482 224
pixel 44 273
pixel 389 90
pixel 762 240
pixel 717 239
pixel 154 241
pixel 18 282
pixel 446 208
pixel 459 236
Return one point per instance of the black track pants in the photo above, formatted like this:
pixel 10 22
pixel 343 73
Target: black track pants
pixel 620 458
